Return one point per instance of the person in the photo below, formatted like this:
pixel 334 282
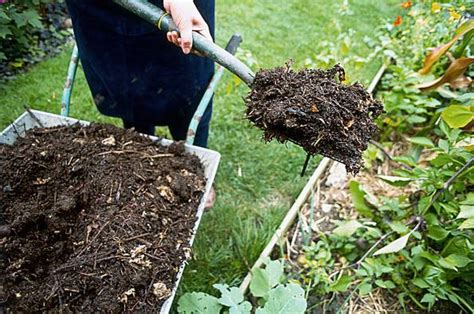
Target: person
pixel 133 71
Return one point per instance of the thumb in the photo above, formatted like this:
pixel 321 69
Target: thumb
pixel 186 32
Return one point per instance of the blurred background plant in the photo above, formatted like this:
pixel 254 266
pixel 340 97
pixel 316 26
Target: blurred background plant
pixel 419 46
pixel 30 30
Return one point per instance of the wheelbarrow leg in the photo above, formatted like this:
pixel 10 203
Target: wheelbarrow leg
pixel 71 74
pixel 231 47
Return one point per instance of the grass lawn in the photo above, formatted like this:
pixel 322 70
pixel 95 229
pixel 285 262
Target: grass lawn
pixel 256 182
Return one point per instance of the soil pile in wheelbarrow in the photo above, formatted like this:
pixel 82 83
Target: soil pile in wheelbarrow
pixel 313 109
pixel 94 219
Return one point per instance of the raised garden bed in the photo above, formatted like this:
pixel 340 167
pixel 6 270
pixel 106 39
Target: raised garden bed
pixel 96 217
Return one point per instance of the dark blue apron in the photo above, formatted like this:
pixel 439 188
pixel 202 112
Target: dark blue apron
pixel 134 73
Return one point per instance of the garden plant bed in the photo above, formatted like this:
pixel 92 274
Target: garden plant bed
pixel 313 109
pixel 330 203
pixel 95 218
pixel 330 212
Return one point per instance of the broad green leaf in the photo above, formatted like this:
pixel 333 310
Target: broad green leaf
pixel 469 199
pixel 242 308
pixel 467 224
pixel 431 219
pixel 467 211
pixel 424 203
pixel 465 97
pixel 444 145
pixel 446 264
pixel 399 227
pixel 415 119
pixel 457 245
pixel 341 284
pixel 386 284
pixel 455 70
pixel 283 300
pixel 437 233
pixel 230 296
pixel 394 246
pixel 32 18
pixel 422 141
pixel 446 93
pixel 395 181
pixel 438 52
pixel 457 116
pixel 450 207
pixel 4 32
pixel 462 46
pixel 420 283
pixel 428 298
pixel 458 260
pixel 233 298
pixel 263 280
pixel 198 302
pixel 4 16
pixel 419 262
pixel 431 257
pixel 358 199
pixel 408 160
pixel 365 289
pixel 347 228
pixel 453 298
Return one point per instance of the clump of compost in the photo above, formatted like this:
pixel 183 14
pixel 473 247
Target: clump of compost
pixel 313 109
pixel 95 219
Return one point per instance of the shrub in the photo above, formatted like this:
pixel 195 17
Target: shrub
pixel 29 31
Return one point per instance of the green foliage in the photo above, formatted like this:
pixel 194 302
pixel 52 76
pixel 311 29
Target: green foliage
pixel 407 108
pixel 264 279
pixel 275 297
pixel 284 299
pixel 234 299
pixel 457 116
pixel 21 23
pixel 358 199
pixel 198 302
pixel 431 252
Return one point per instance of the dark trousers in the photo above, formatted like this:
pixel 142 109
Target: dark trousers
pixel 179 128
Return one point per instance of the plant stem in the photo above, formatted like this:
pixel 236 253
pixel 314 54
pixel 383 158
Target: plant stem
pixel 412 297
pixel 385 236
pixel 464 302
pixel 382 149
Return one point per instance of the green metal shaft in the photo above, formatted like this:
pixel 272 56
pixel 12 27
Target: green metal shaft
pixel 164 22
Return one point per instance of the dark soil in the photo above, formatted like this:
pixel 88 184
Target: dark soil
pixel 96 219
pixel 313 109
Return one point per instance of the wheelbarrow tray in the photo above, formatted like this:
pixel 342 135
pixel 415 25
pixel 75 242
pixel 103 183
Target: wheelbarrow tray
pixel 209 158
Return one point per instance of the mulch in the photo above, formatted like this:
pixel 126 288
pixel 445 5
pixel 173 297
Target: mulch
pixel 95 218
pixel 315 110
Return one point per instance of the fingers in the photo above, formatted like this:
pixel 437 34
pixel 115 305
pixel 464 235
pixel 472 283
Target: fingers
pixel 204 31
pixel 186 42
pixel 173 37
pixel 188 19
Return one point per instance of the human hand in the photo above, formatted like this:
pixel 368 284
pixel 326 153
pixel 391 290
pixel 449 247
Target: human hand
pixel 188 19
